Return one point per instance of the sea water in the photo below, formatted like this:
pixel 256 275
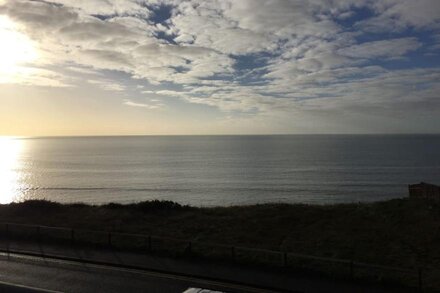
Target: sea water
pixel 217 170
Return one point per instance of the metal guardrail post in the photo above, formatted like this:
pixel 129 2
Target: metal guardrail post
pixel 8 233
pixel 189 248
pixel 7 238
pixel 38 234
pixel 351 269
pixel 72 236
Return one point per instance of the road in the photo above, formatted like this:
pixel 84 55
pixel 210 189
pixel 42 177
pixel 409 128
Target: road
pixel 99 270
pixel 65 276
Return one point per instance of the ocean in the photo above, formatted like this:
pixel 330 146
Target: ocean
pixel 217 170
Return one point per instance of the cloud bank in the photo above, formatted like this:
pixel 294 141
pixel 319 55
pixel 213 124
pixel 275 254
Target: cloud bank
pixel 246 58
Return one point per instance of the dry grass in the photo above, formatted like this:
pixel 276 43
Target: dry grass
pixel 401 232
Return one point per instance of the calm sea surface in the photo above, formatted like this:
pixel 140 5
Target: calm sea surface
pixel 217 170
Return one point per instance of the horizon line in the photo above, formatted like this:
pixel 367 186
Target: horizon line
pixel 164 135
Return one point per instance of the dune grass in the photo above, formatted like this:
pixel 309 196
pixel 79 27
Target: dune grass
pixel 400 232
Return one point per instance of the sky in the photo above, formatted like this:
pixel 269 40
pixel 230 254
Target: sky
pixel 135 67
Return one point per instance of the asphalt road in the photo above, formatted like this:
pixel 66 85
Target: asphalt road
pixel 73 269
pixel 32 273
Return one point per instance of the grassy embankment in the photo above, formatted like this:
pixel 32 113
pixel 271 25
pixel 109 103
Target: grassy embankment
pixel 401 232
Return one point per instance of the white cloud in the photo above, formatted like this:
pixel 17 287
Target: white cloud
pixel 29 76
pixel 130 103
pixel 107 7
pixel 83 70
pixel 169 93
pixel 383 48
pixel 108 85
pixel 396 15
pixel 310 61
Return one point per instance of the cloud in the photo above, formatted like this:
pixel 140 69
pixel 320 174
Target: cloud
pixel 170 93
pixel 82 70
pixel 382 48
pixel 25 75
pixel 38 15
pixel 399 14
pixel 206 27
pixel 107 85
pixel 107 7
pixel 130 103
pixel 249 57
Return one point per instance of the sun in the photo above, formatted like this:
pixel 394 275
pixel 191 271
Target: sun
pixel 16 51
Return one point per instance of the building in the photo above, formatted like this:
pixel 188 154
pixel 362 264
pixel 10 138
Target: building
pixel 424 190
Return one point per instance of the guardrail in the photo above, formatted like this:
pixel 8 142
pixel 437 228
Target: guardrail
pixel 413 277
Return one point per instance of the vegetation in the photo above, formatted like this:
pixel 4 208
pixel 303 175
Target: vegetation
pixel 400 232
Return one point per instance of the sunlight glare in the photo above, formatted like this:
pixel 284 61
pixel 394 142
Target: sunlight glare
pixel 16 49
pixel 10 150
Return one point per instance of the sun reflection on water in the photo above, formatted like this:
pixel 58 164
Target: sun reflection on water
pixel 10 164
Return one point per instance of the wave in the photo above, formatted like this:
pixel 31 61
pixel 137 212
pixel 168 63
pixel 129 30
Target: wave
pixel 102 188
